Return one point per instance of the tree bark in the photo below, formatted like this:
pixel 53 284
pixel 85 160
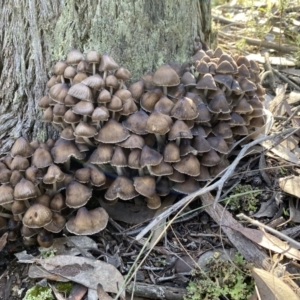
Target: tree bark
pixel 139 34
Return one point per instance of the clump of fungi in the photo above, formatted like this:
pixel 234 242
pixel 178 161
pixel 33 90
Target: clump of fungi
pixel 169 132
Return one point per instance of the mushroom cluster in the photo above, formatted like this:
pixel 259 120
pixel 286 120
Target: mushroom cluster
pixel 170 132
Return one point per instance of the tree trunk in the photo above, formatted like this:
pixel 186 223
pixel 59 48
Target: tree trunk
pixel 139 34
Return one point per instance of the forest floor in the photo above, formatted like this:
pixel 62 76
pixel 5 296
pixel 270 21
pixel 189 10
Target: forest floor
pixel 270 35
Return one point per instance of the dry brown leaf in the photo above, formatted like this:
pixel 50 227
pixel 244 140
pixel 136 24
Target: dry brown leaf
pixel 3 240
pixel 85 271
pixel 290 185
pixel 102 294
pixel 271 287
pixel 38 272
pixel 269 241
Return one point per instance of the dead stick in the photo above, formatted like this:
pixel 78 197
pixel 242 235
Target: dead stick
pixel 217 185
pixel 282 48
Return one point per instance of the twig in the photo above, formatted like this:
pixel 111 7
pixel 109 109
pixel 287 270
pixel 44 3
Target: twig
pixel 217 185
pixel 292 242
pixel 282 48
pixel 227 21
pixel 284 78
pixel 269 68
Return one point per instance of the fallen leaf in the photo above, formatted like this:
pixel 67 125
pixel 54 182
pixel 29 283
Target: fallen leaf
pixel 77 292
pixel 85 271
pixel 38 272
pixel 3 240
pixel 267 209
pixel 271 287
pixel 290 185
pixel 102 294
pixel 268 241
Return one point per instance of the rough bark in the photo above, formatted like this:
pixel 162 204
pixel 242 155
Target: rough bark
pixel 139 34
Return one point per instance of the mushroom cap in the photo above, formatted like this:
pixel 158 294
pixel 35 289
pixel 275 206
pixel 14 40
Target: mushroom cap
pixel 93 57
pixel 162 169
pixel 204 174
pixel 123 74
pixel 149 99
pixel 77 194
pixel 210 159
pixel 79 77
pixel 158 123
pixel 189 186
pixel 184 109
pixel 102 154
pixel 243 107
pixel 44 102
pixel 74 57
pixel 219 104
pixel 115 104
pixel 203 114
pixel 104 96
pixel 112 132
pixel 188 79
pixel 218 144
pixel 68 133
pixel 58 92
pixel 21 147
pixel 134 159
pixel 100 113
pixel 111 81
pixel 16 177
pixel 71 118
pixel 137 90
pixel 25 189
pixel 88 222
pixel 186 148
pixel 150 157
pixel 201 144
pixel 84 129
pixel 37 216
pixel 58 202
pixel 145 186
pixel 222 129
pixel 119 158
pixel 107 63
pixel 171 153
pixel 122 188
pixel 134 141
pixel 236 120
pixel 41 158
pixel 19 163
pixel 189 165
pixel 54 174
pixel 179 130
pixel 83 175
pixel 57 224
pixel 164 105
pixel 165 76
pixel 206 83
pixel 64 149
pixel 137 122
pixel 81 91
pixel 95 82
pixel 177 177
pixel 18 207
pixel 98 178
pixel 6 194
pixel 70 72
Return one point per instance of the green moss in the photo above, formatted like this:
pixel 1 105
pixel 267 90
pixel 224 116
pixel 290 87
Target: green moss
pixel 64 287
pixel 39 293
pixel 243 198
pixel 46 253
pixel 222 278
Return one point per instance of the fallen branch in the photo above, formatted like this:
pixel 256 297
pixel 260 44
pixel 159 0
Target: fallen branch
pixel 156 292
pixel 227 21
pixel 217 185
pixel 285 48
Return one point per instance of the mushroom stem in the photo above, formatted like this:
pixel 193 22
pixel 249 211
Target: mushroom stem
pixel 113 115
pixel 94 68
pixel 158 179
pixel 85 118
pixel 27 203
pixel 160 141
pixel 73 126
pixel 39 193
pixel 4 215
pixel 141 172
pixel 111 90
pixel 20 217
pixel 214 118
pixel 178 141
pixel 104 75
pixel 205 92
pixel 87 140
pixel 71 81
pixel 165 90
pixel 119 170
pixel 121 84
pixel 54 189
pixel 62 79
pixel 98 126
pixel 67 164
